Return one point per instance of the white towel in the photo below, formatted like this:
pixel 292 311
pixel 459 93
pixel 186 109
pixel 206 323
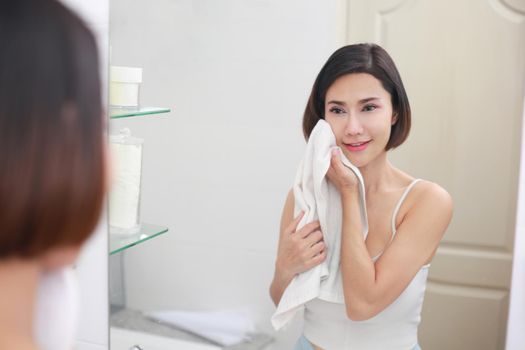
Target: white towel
pixel 320 200
pixel 227 327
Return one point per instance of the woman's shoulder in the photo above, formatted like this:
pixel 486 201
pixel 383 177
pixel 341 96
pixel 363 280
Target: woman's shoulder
pixel 431 190
pixel 431 198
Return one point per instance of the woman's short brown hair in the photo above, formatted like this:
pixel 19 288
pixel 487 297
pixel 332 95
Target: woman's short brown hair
pixel 361 58
pixel 52 139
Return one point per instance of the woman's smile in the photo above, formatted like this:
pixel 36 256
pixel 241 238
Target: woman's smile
pixel 356 147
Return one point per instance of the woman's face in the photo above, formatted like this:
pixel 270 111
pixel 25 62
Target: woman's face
pixel 359 109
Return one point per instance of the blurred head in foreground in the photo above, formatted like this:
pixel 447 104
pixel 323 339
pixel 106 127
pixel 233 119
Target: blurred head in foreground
pixel 52 148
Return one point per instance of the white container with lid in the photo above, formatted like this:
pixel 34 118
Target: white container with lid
pixel 124 197
pixel 124 86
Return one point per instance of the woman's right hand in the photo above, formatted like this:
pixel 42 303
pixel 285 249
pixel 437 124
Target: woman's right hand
pixel 300 250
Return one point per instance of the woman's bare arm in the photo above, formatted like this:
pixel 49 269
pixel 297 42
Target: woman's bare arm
pixel 281 280
pixel 370 287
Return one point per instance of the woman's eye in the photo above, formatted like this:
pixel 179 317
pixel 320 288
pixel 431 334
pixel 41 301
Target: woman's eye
pixel 336 110
pixel 369 108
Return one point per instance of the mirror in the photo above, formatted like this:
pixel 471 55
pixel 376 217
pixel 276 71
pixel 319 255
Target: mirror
pixel 216 169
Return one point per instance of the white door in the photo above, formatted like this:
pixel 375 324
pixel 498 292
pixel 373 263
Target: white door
pixel 462 62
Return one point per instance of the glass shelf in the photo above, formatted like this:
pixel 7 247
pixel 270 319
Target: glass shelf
pixel 147 231
pixel 116 112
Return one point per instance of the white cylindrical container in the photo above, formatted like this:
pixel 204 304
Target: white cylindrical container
pixel 124 197
pixel 124 86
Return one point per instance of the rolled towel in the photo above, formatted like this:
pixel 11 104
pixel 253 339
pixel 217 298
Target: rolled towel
pixel 225 328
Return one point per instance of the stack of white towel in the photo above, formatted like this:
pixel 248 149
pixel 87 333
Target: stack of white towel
pixel 320 200
pixel 223 327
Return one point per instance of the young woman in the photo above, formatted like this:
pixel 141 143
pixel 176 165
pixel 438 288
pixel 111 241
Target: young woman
pixel 359 93
pixel 52 168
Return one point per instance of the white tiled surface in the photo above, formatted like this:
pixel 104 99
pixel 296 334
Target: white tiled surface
pixel 216 171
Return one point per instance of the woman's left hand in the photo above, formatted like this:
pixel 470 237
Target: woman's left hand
pixel 342 177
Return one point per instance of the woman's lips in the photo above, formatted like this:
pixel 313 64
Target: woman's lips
pixel 361 147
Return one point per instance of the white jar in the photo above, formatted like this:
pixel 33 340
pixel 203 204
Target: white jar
pixel 124 197
pixel 124 86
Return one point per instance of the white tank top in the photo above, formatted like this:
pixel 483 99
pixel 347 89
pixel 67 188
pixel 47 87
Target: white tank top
pixel 395 328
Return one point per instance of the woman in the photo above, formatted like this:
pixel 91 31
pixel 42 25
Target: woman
pixel 52 168
pixel 359 93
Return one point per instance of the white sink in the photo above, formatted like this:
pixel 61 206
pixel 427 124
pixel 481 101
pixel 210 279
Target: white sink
pixel 125 339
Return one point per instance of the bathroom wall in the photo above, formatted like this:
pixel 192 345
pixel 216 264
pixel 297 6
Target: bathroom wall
pixel 216 170
pixel 92 265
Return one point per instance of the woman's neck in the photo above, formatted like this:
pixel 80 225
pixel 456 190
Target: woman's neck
pixel 380 175
pixel 18 286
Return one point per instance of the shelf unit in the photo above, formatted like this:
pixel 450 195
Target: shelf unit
pixel 119 243
pixel 117 113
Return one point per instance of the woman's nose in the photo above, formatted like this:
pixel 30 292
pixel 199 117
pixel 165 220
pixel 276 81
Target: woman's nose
pixel 353 126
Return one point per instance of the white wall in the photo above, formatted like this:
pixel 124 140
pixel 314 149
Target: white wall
pixel 93 262
pixel 516 324
pixel 216 171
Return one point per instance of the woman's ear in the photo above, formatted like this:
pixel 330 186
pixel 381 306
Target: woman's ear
pixel 394 118
pixel 59 257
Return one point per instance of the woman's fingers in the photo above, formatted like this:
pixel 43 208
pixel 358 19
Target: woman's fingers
pixel 293 225
pixel 335 158
pixel 308 228
pixel 313 245
pixel 317 248
pixel 313 238
pixel 305 230
pixel 307 243
pixel 337 163
pixel 316 260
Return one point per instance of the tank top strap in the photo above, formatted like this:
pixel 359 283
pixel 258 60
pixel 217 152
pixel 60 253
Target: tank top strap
pixel 394 215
